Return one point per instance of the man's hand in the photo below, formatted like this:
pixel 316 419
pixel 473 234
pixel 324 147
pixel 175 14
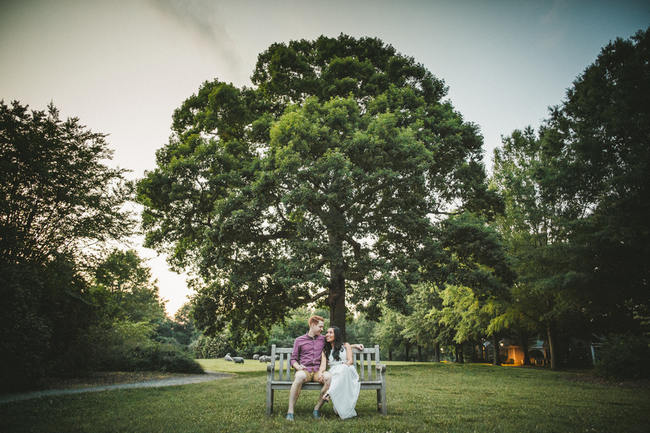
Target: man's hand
pixel 321 379
pixel 358 346
pixel 299 367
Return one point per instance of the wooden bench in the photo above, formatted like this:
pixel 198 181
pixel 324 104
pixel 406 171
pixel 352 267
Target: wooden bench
pixel 372 374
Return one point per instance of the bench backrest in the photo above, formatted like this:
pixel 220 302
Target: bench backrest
pixel 365 362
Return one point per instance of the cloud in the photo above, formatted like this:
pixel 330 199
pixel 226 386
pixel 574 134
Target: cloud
pixel 202 17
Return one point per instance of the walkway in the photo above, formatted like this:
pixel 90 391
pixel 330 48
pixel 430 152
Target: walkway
pixel 170 381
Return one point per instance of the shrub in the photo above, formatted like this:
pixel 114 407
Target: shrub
pixel 624 357
pixel 210 347
pixel 127 346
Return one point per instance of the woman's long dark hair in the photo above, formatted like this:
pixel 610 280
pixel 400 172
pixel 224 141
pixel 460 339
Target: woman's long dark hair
pixel 338 343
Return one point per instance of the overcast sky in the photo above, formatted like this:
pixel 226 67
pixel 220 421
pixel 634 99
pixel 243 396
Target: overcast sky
pixel 122 66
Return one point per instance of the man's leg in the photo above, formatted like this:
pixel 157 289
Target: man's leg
pixel 296 386
pixel 327 379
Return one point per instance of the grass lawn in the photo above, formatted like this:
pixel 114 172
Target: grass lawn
pixel 425 397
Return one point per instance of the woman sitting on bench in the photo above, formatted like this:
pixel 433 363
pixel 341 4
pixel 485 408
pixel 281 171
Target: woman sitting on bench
pixel 344 385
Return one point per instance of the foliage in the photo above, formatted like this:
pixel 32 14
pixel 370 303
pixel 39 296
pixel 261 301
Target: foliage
pixel 576 218
pixel 603 132
pixel 205 347
pixel 388 332
pixel 57 193
pixel 624 356
pixel 183 329
pixel 535 226
pixel 124 289
pixel 58 198
pixel 361 330
pixel 131 331
pixel 421 326
pixel 321 184
pixel 37 300
pixel 130 346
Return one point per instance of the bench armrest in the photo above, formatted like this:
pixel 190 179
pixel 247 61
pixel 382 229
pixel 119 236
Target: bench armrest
pixel 269 367
pixel 381 367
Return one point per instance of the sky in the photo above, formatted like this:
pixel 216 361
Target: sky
pixel 123 66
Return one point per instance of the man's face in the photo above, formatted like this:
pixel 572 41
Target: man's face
pixel 317 328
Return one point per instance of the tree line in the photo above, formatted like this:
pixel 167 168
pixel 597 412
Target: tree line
pixel 342 179
pixel 71 303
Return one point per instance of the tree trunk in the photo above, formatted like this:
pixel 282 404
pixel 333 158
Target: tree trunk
pixel 550 333
pixel 523 342
pixel 495 350
pixel 336 297
pixel 436 348
pixel 460 358
pixel 408 349
pixel 390 354
pixel 419 353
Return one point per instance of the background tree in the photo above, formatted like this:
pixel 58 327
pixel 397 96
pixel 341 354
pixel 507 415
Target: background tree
pixel 126 286
pixel 57 197
pixel 602 130
pixel 320 184
pixel 535 225
pixel 419 328
pixel 576 217
pixel 130 330
pixel 389 333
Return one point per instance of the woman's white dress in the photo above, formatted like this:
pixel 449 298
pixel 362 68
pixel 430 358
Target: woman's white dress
pixel 344 387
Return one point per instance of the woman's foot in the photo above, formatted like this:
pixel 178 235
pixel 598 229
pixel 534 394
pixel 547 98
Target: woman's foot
pixel 326 398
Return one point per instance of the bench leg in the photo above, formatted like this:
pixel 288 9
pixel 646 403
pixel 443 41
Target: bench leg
pixel 381 400
pixel 378 400
pixel 269 400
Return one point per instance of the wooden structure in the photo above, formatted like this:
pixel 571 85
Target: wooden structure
pixel 372 374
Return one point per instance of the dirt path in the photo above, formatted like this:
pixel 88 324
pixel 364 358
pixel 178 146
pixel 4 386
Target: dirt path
pixel 171 381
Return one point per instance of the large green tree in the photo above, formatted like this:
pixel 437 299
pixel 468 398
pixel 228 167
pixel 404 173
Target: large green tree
pixel 320 184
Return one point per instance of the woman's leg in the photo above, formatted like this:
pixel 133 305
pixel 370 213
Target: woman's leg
pixel 327 379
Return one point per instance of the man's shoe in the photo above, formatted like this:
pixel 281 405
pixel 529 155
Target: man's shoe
pixel 315 414
pixel 289 417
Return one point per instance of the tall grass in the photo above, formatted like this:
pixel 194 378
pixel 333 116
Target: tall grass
pixel 421 398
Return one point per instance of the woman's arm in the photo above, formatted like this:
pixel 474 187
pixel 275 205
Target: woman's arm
pixel 348 352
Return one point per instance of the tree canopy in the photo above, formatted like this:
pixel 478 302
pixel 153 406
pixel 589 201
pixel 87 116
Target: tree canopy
pixel 57 197
pixel 323 183
pixel 576 215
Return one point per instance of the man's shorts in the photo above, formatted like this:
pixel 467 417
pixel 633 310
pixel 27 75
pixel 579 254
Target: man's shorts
pixel 312 376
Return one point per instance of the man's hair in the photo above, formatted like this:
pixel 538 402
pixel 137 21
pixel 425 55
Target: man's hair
pixel 313 320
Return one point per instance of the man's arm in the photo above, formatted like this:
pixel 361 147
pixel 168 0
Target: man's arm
pixel 295 356
pixel 357 346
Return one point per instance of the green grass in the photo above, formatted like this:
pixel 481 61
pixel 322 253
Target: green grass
pixel 249 366
pixel 421 398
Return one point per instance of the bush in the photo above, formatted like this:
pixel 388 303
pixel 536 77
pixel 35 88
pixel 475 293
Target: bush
pixel 210 347
pixel 127 346
pixel 624 357
pixel 163 357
